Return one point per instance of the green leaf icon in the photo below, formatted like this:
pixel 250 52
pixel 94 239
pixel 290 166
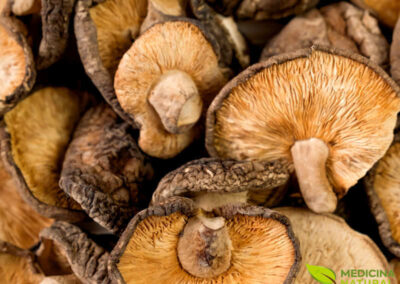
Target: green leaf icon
pixel 322 274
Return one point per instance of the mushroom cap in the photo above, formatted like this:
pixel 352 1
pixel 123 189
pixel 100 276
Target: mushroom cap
pixel 326 240
pixel 344 100
pixel 174 45
pixel 103 169
pixel 35 136
pixel 104 32
pixel 388 10
pixel 264 248
pixel 395 54
pixel 17 72
pixel 224 177
pixel 19 223
pixel 383 188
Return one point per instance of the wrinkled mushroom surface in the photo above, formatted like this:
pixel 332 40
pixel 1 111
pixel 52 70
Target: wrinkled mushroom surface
pixel 395 54
pixel 383 188
pixel 213 182
pixel 17 71
pixel 35 137
pixel 256 244
pixel 323 108
pixel 326 240
pixel 340 25
pixel 104 170
pixel 165 81
pixel 105 30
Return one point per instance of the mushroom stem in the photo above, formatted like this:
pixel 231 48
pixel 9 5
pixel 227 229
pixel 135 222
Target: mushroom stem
pixel 177 101
pixel 25 7
pixel 204 249
pixel 309 158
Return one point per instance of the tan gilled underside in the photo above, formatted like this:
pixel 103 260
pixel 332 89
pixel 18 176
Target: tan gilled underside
pixel 118 23
pixel 17 269
pixel 333 98
pixel 174 46
pixel 169 7
pixel 387 187
pixel 326 240
pixel 40 128
pixel 255 240
pixel 12 64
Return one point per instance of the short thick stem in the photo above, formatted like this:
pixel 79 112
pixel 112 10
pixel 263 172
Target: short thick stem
pixel 309 158
pixel 204 249
pixel 177 101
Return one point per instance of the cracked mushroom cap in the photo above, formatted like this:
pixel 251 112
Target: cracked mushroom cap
pixel 19 223
pixel 272 9
pixel 383 188
pixel 165 80
pixel 237 244
pixel 388 10
pixel 339 25
pixel 213 183
pixel 336 114
pixel 326 240
pixel 35 136
pixel 105 30
pixel 104 170
pixel 17 71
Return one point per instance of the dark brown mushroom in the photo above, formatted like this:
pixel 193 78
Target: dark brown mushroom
pixel 272 9
pixel 35 136
pixel 225 7
pixel 383 188
pixel 17 68
pixel 104 170
pixel 213 183
pixel 105 30
pixel 388 11
pixel 235 244
pixel 395 54
pixel 165 81
pixel 340 25
pixel 326 240
pixel 329 113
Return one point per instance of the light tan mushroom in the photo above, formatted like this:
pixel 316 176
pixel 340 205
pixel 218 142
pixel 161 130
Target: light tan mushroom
pixel 25 7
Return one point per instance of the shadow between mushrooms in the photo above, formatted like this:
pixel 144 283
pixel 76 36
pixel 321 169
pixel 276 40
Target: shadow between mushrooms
pixel 165 81
pixel 17 68
pixel 383 187
pixel 171 243
pixel 326 240
pixel 35 136
pixel 212 183
pixel 328 113
pixel 104 170
pixel 105 30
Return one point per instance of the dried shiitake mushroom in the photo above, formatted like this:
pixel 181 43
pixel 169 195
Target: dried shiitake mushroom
pixel 383 188
pixel 19 223
pixel 330 113
pixel 24 7
pixel 165 81
pixel 213 182
pixel 65 249
pixel 35 136
pixel 105 30
pixel 17 68
pixel 326 240
pixel 388 10
pixel 172 243
pixel 340 25
pixel 395 54
pixel 272 9
pixel 104 169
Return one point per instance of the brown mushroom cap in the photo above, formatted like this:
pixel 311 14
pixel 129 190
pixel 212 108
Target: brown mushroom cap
pixel 17 72
pixel 340 25
pixel 104 169
pixel 105 29
pixel 213 182
pixel 272 9
pixel 326 240
pixel 388 10
pixel 163 80
pixel 313 107
pixel 19 223
pixel 395 54
pixel 35 135
pixel 383 188
pixel 263 246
